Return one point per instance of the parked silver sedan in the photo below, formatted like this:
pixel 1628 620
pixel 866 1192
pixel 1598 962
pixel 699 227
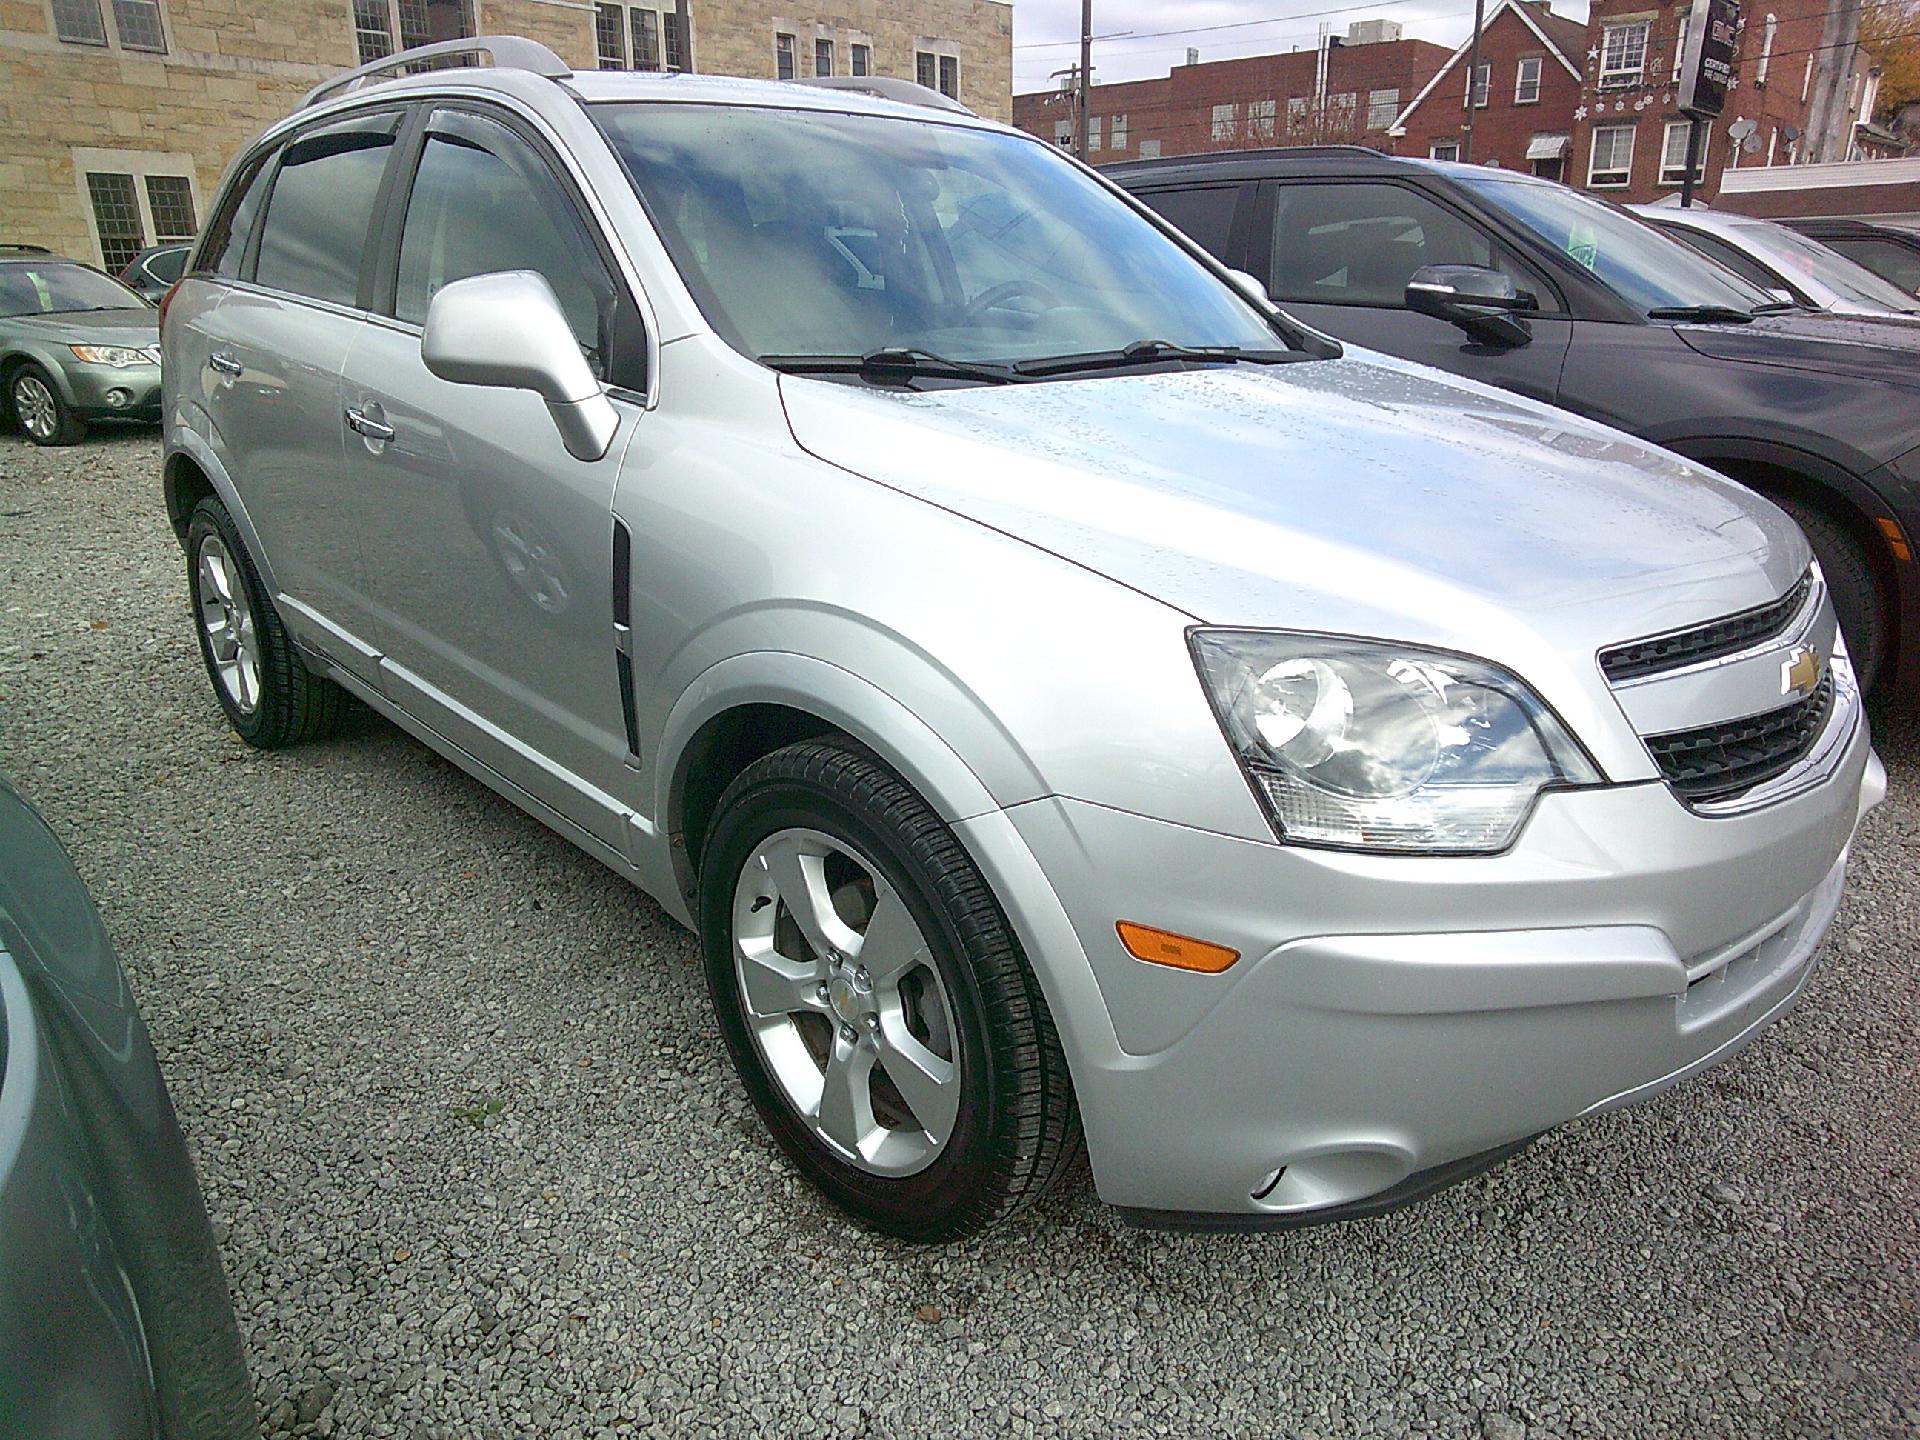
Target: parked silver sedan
pixel 1775 258
pixel 75 346
pixel 1060 689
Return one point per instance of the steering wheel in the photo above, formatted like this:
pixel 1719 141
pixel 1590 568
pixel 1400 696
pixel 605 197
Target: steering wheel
pixel 999 295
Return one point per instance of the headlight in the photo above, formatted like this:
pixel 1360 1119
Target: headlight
pixel 1371 746
pixel 120 357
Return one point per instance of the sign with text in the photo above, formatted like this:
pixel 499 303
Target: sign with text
pixel 1706 62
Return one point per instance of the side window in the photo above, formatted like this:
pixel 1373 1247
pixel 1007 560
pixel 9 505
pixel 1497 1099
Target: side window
pixel 1203 213
pixel 232 228
pixel 1714 248
pixel 314 233
pixel 1359 244
pixel 483 202
pixel 1886 258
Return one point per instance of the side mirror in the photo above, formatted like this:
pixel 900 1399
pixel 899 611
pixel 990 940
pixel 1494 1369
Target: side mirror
pixel 1250 286
pixel 506 330
pixel 1480 301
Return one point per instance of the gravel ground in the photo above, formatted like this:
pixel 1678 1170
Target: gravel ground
pixel 480 1169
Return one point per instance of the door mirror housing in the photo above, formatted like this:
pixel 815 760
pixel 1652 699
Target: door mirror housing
pixel 1481 301
pixel 507 330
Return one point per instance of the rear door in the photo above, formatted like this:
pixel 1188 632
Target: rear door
pixel 1338 254
pixel 486 548
pixel 274 349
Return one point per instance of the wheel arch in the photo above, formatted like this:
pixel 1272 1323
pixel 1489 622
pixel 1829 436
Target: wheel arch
pixel 189 473
pixel 1839 494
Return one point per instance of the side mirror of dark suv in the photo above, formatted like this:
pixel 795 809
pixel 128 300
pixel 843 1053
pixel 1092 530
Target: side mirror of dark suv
pixel 1479 300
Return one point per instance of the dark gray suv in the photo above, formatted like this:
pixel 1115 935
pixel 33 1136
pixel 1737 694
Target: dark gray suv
pixel 1538 289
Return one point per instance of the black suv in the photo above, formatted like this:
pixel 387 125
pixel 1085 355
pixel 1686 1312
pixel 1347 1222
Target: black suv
pixel 1526 284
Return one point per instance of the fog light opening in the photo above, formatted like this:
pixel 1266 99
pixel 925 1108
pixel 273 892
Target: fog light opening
pixel 118 399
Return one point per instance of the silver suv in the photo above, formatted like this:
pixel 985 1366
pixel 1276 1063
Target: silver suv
pixel 1060 690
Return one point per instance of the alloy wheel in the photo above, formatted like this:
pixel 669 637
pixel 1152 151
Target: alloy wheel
pixel 34 404
pixel 227 618
pixel 844 1000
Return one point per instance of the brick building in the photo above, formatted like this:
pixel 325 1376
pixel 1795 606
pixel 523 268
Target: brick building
pixel 1524 93
pixel 117 117
pixel 1349 92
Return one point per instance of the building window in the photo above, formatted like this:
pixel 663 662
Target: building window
pixel 783 63
pixel 1260 117
pixel 1224 120
pixel 1673 155
pixel 950 76
pixel 1118 138
pixel 676 43
pixel 926 69
pixel 823 57
pixel 128 203
pixel 1063 134
pixel 1623 54
pixel 1343 113
pixel 1526 82
pixel 372 30
pixel 78 22
pixel 1149 149
pixel 1093 133
pixel 1444 150
pixel 862 58
pixel 1482 82
pixel 1611 165
pixel 609 36
pixel 1296 116
pixel 646 39
pixel 1382 107
pixel 137 23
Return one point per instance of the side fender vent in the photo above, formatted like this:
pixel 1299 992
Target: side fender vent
pixel 623 633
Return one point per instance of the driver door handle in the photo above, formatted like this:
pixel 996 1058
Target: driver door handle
pixel 366 425
pixel 224 364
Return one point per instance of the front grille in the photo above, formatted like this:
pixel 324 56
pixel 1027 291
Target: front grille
pixel 1728 635
pixel 1714 762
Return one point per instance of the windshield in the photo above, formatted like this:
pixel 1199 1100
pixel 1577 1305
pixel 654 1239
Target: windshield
pixel 1803 258
pixel 804 233
pixel 1647 269
pixel 36 289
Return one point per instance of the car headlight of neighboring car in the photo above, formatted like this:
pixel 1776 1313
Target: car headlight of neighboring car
pixel 120 357
pixel 1365 745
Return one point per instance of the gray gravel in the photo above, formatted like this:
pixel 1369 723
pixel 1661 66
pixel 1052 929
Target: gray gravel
pixel 480 1169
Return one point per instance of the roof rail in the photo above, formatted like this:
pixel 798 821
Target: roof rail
pixel 887 88
pixel 508 52
pixel 25 249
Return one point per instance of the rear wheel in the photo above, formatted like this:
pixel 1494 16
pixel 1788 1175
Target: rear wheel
pixel 270 697
pixel 36 403
pixel 1850 580
pixel 874 998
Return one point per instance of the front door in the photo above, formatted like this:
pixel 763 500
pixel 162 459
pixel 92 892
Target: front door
pixel 487 548
pixel 1338 254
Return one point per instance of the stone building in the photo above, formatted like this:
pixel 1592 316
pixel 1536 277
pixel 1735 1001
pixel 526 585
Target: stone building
pixel 117 117
pixel 1345 92
pixel 1525 89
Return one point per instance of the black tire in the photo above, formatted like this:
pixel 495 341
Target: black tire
pixel 293 704
pixel 1850 580
pixel 1017 1125
pixel 64 427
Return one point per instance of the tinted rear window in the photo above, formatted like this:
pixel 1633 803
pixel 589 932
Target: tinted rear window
pixel 315 231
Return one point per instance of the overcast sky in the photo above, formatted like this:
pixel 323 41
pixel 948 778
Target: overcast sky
pixel 1046 32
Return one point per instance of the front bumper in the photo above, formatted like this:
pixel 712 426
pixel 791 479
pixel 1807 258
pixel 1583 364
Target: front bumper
pixel 1392 1016
pixel 101 391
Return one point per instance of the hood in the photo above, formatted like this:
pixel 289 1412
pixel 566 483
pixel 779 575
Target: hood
pixel 1884 348
pixel 1364 495
pixel 138 326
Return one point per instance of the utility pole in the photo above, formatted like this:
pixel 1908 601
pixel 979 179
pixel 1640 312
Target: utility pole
pixel 1696 127
pixel 1081 79
pixel 1473 72
pixel 684 23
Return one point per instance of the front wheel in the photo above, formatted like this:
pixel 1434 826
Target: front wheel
pixel 47 419
pixel 874 999
pixel 1850 580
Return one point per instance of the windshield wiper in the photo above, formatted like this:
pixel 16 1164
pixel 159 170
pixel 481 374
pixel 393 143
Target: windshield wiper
pixel 1153 352
pixel 893 362
pixel 1774 307
pixel 1728 313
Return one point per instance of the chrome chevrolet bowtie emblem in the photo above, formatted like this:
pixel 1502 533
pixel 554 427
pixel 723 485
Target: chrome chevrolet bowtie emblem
pixel 1800 671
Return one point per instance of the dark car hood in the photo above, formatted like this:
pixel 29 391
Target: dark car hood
pixel 1871 348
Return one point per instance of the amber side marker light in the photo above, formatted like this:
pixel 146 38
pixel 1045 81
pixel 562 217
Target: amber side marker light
pixel 1182 952
pixel 1896 542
